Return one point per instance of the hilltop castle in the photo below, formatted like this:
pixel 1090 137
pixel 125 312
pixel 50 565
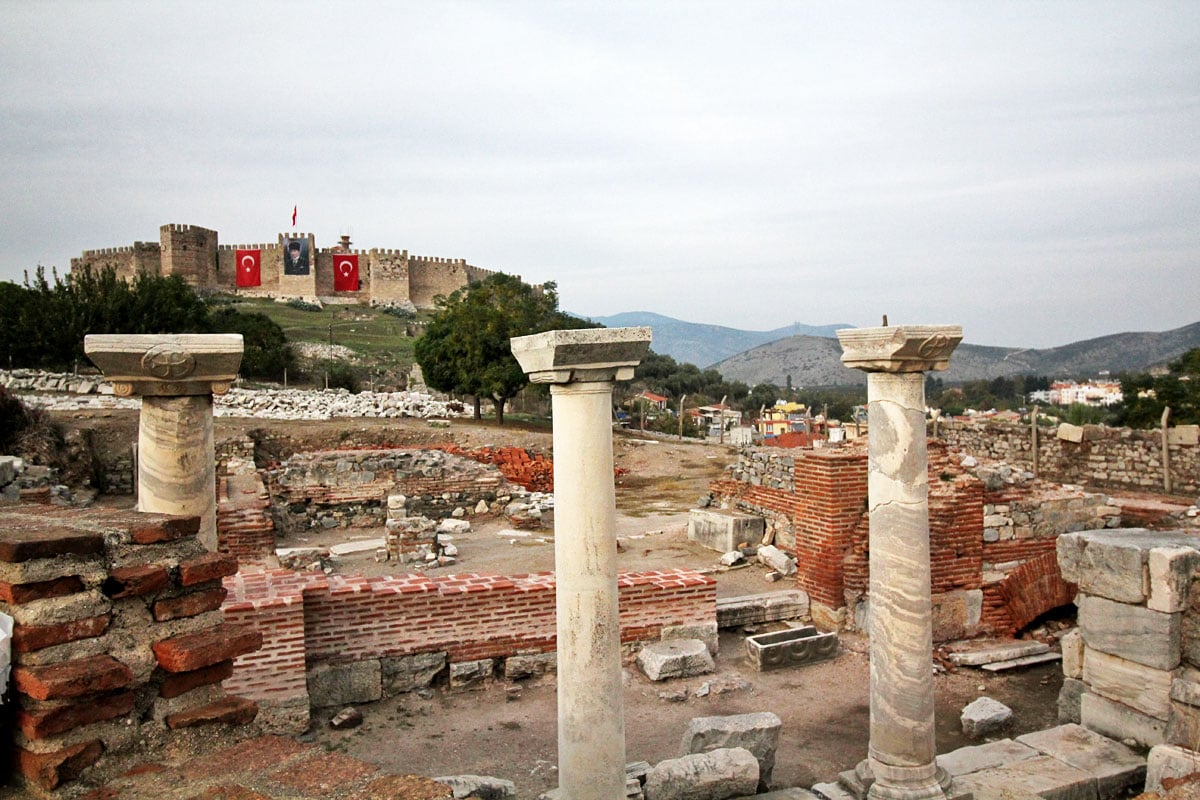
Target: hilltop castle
pixel 291 266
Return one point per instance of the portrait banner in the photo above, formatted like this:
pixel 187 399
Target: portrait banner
pixel 295 257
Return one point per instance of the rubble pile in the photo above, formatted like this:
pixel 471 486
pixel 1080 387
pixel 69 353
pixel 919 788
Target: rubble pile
pixel 533 471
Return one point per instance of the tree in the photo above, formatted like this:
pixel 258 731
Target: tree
pixel 266 354
pixel 1145 396
pixel 465 347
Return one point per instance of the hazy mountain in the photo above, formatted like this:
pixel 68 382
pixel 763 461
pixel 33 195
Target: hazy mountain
pixel 816 361
pixel 704 345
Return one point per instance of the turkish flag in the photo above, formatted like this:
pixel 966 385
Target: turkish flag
pixel 345 273
pixel 293 216
pixel 249 267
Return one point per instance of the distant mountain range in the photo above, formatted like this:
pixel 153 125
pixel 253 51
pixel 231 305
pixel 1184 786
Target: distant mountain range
pixel 704 345
pixel 811 355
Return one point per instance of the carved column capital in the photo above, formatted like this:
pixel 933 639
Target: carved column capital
pixel 166 365
pixel 585 355
pixel 901 348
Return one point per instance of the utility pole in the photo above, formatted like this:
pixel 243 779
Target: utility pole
pixel 681 399
pixel 330 367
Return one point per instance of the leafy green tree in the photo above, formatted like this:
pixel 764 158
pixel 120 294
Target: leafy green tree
pixel 465 347
pixel 266 354
pixel 1145 396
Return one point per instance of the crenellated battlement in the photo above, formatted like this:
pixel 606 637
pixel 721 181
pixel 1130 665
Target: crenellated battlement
pixel 387 275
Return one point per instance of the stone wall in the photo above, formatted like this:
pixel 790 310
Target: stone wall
pixel 1110 458
pixel 1132 667
pixel 386 277
pixel 349 488
pixel 118 635
pixel 329 640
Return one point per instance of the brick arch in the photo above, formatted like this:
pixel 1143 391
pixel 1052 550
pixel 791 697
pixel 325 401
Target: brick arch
pixel 1032 589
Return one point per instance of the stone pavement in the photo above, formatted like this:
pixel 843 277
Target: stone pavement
pixel 266 768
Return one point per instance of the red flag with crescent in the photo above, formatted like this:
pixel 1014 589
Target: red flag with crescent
pixel 345 273
pixel 249 267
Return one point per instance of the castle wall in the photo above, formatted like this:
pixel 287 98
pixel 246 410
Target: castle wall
pixel 387 281
pixel 190 252
pixel 127 262
pixel 430 277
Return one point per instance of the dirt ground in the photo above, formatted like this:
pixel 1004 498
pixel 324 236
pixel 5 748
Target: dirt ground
pixel 509 731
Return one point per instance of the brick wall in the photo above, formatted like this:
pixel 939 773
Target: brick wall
pixel 350 619
pixel 117 624
pixel 1109 458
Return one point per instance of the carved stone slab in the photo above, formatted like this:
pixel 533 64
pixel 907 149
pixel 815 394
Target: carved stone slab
pixel 793 648
pixel 901 348
pixel 587 354
pixel 167 365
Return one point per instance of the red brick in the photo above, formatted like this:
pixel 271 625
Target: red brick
pixel 188 605
pixel 27 638
pixel 228 710
pixel 40 590
pixel 207 567
pixel 17 545
pixel 134 581
pixel 230 792
pixel 72 678
pixel 50 770
pixel 40 723
pixel 182 682
pixel 195 650
pixel 160 528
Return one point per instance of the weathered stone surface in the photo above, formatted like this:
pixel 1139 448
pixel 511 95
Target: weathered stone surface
pixel 342 684
pixel 677 658
pixel 1168 761
pixel 528 666
pixel 1171 570
pixel 1043 776
pixel 1105 564
pixel 986 652
pixel 1131 632
pixel 983 717
pixel 794 793
pixel 756 609
pixel 1072 653
pixel 1070 433
pixel 601 354
pixel 978 757
pixel 723 530
pixel 1114 766
pixel 791 648
pixel 1142 688
pixel 714 775
pixel 777 560
pixel 707 632
pixel 1120 722
pixel 758 733
pixel 349 717
pixel 407 673
pixel 483 787
pixel 1069 698
pixel 471 674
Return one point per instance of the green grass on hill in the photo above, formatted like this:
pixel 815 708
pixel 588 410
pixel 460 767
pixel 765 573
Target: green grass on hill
pixel 380 341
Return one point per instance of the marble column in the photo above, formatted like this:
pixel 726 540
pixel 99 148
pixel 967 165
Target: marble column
pixel 176 375
pixel 902 752
pixel 581 366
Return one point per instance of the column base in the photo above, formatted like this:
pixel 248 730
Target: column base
pixel 874 780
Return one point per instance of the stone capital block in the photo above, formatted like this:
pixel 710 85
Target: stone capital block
pixel 902 348
pixel 583 355
pixel 1171 570
pixel 167 365
pixel 1131 632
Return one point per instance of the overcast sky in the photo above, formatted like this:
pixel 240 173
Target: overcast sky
pixel 1030 171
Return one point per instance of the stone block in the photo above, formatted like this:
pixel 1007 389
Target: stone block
pixel 706 632
pixel 984 717
pixel 1169 761
pixel 1105 564
pixel 1042 776
pixel 755 609
pixel 791 648
pixel 1184 435
pixel 471 674
pixel 758 733
pixel 343 684
pixel 195 650
pixel 529 666
pixel 1142 688
pixel 1120 722
pixel 1072 653
pixel 408 673
pixel 1183 726
pixel 1114 766
pixel 1070 433
pixel 950 618
pixel 228 711
pixel 777 560
pixel 966 760
pixel 677 658
pixel 72 678
pixel 1132 632
pixel 722 530
pixel 1069 699
pixel 715 775
pixel 482 787
pixel 1171 570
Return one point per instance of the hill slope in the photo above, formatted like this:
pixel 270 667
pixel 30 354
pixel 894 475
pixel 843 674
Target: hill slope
pixel 703 345
pixel 816 361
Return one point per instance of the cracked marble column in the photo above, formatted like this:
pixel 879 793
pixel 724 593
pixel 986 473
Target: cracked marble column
pixel 176 375
pixel 902 752
pixel 581 366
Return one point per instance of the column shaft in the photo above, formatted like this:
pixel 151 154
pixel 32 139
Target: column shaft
pixel 591 727
pixel 176 472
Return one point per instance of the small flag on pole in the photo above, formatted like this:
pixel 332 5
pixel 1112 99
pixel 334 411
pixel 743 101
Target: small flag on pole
pixel 293 216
